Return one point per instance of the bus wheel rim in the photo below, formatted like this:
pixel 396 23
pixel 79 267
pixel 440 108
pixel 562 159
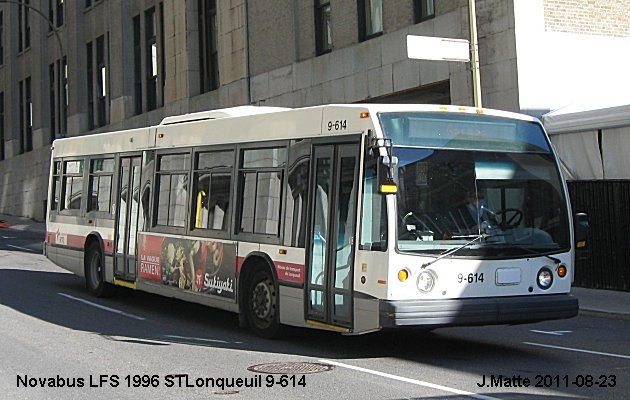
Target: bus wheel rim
pixel 261 300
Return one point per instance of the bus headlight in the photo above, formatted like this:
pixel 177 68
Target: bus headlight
pixel 426 281
pixel 545 278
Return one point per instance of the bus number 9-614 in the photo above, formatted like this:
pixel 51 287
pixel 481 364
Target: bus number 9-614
pixel 337 125
pixel 470 278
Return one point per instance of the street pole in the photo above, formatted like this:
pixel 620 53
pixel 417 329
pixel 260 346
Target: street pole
pixel 474 59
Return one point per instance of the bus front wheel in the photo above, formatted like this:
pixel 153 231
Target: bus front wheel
pixel 261 305
pixel 95 272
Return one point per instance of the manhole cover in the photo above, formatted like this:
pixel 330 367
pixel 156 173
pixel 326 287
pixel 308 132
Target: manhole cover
pixel 296 368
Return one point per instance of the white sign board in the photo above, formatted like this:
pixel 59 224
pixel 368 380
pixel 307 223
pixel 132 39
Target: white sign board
pixel 434 48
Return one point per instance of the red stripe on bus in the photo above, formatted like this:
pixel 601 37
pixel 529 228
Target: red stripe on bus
pixel 286 271
pixel 76 241
pixel 289 272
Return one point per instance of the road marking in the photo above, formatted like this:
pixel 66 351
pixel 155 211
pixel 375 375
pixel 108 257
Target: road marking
pixel 19 247
pixel 578 350
pixel 89 303
pixel 555 333
pixel 199 339
pixel 412 381
pixel 138 340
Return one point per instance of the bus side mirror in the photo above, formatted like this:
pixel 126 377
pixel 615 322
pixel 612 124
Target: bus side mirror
pixel 580 224
pixel 385 175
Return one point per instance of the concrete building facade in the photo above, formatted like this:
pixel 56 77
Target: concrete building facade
pixel 89 66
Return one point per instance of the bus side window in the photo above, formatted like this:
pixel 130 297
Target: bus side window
pixel 297 193
pixel 213 182
pixel 100 184
pixel 55 192
pixel 374 213
pixel 172 178
pixel 72 185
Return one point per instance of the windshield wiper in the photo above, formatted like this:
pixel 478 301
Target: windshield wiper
pixel 452 251
pixel 532 251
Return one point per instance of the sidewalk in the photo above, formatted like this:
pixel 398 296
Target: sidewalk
pixel 593 302
pixel 603 303
pixel 21 224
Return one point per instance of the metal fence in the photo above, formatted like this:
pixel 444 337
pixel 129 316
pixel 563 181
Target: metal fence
pixel 607 203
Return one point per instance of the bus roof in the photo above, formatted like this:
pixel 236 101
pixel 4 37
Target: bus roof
pixel 246 124
pixel 221 113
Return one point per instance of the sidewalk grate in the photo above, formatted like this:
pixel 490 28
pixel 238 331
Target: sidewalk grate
pixel 290 368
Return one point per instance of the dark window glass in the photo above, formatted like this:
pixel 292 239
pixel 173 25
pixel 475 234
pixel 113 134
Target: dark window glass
pixel 423 9
pixel 72 185
pixel 323 26
pixel 137 66
pixel 208 54
pixel 100 184
pixel 173 189
pixel 370 18
pixel 213 179
pixel 297 195
pixel 260 158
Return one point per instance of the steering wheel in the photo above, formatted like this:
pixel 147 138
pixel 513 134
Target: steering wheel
pixel 510 217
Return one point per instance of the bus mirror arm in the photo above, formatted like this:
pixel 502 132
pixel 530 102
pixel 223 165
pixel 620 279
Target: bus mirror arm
pixel 580 225
pixel 386 174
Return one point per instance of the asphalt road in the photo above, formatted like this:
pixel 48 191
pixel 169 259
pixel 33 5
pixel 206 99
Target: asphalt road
pixel 141 346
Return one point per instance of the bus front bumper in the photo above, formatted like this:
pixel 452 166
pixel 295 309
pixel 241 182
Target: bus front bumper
pixel 477 311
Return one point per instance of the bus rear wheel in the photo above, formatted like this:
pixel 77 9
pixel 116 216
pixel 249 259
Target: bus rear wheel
pixel 261 305
pixel 95 272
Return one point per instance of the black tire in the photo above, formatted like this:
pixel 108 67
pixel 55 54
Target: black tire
pixel 95 272
pixel 261 305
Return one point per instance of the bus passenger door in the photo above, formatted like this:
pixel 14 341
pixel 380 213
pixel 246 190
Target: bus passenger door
pixel 333 216
pixel 127 212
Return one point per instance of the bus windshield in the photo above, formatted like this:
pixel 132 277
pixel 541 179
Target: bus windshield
pixel 504 191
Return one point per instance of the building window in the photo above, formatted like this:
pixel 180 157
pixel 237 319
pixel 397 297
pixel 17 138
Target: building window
pixel 97 83
pixel 26 116
pixel 59 13
pixel 208 54
pixel 53 103
pixel 137 66
pixel 423 10
pixel 58 78
pixel 151 57
pixel 24 27
pixel 370 18
pixel 1 125
pixel 90 86
pixel 101 80
pixel 55 13
pixel 148 33
pixel 323 28
pixel 1 38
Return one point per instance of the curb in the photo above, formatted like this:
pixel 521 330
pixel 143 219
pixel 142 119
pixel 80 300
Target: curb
pixel 604 314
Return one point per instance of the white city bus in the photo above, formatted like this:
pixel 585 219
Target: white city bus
pixel 351 218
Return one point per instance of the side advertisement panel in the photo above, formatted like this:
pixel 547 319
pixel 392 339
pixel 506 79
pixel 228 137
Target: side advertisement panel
pixel 201 266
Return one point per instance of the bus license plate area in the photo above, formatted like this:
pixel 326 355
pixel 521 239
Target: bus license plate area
pixel 508 276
